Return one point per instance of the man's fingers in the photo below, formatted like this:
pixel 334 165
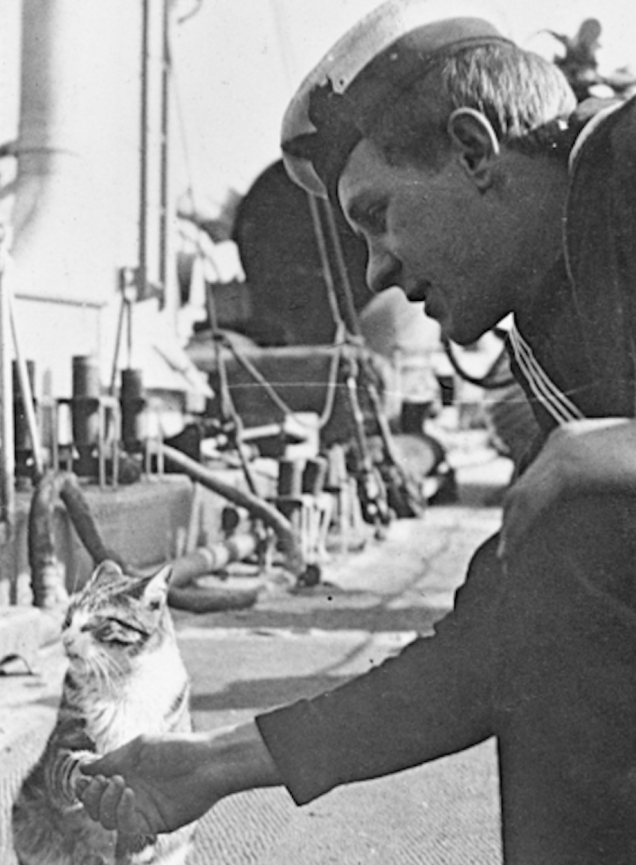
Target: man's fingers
pixel 110 802
pixel 91 795
pixel 128 821
pixel 102 798
pixel 81 785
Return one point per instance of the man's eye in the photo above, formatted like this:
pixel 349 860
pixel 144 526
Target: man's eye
pixel 374 219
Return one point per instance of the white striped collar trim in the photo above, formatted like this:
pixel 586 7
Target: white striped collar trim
pixel 554 401
pixel 587 131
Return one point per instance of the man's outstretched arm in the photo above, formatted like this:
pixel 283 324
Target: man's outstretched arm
pixel 433 699
pixel 174 779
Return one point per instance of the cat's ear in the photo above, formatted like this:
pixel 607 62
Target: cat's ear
pixel 156 588
pixel 107 571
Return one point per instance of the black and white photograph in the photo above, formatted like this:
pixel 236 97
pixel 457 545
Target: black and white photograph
pixel 317 432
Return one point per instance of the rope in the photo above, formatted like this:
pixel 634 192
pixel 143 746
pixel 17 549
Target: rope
pixel 343 271
pixel 332 381
pixel 325 261
pixel 488 381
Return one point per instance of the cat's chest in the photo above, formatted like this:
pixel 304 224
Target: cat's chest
pixel 142 704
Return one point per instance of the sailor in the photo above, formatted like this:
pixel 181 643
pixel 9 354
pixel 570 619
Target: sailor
pixel 481 189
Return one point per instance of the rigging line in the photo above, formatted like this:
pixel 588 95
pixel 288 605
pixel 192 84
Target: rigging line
pixel 342 269
pixel 366 375
pixel 228 409
pixel 227 404
pixel 181 124
pixel 275 397
pixel 332 381
pixel 323 252
pixel 196 8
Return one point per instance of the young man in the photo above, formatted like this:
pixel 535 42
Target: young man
pixel 453 153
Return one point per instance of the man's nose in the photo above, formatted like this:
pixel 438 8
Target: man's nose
pixel 383 270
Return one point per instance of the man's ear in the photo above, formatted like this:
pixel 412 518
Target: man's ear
pixel 476 142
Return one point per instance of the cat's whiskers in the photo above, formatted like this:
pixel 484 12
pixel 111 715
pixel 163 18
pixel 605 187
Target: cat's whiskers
pixel 94 668
pixel 109 671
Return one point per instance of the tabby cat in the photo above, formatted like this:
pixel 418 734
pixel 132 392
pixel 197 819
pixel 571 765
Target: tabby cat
pixel 125 677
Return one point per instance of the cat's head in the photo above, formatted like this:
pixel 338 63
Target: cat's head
pixel 116 617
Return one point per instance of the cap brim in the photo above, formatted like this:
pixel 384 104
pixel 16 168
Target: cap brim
pixel 373 34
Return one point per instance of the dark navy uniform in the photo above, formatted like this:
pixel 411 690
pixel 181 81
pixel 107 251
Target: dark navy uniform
pixel 544 656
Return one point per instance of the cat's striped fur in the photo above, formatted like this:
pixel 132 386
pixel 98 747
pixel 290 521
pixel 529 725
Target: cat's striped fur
pixel 125 677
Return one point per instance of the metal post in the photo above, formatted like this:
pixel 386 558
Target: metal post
pixel 165 162
pixel 143 154
pixel 26 390
pixel 7 461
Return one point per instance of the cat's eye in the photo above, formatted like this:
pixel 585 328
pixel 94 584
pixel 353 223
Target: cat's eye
pixel 114 641
pixel 117 632
pixel 108 636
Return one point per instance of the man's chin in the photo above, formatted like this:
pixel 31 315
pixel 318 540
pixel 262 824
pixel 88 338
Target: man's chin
pixel 458 340
pixel 450 330
pixel 458 335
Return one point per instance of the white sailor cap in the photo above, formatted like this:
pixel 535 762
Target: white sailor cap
pixel 364 73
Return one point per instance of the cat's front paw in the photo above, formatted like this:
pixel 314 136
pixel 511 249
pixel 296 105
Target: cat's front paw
pixel 71 780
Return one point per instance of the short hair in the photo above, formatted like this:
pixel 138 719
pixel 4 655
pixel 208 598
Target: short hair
pixel 523 96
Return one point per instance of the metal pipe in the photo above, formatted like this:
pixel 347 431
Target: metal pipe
pixel 27 394
pixel 47 578
pixel 21 433
pixel 47 572
pixel 211 559
pixel 257 507
pixel 7 464
pixel 143 155
pixel 165 161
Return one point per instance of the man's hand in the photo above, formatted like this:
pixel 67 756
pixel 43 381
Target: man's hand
pixel 150 785
pixel 160 783
pixel 581 456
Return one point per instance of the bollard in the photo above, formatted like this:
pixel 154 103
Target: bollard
pixel 314 476
pixel 85 412
pixel 290 474
pixel 133 402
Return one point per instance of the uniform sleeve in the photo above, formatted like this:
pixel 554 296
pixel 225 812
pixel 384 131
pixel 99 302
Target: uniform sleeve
pixel 434 698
